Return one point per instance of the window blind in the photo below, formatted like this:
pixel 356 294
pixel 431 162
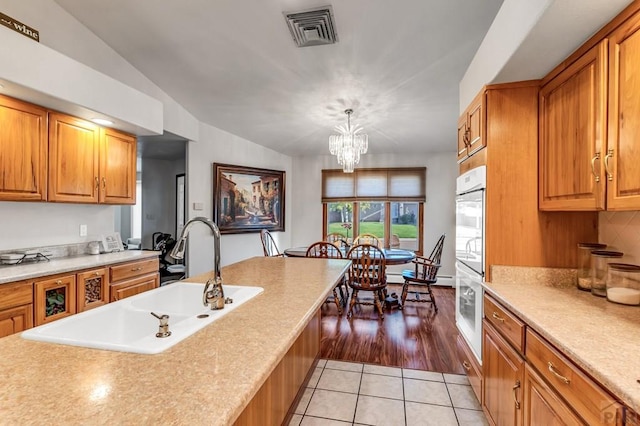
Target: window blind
pixel 397 184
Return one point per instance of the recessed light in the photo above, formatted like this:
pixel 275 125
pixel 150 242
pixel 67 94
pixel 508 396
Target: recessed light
pixel 102 121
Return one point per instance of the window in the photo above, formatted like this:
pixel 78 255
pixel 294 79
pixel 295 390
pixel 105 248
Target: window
pixel 136 213
pixel 388 203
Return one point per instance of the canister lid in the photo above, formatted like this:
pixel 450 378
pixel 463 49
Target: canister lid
pixel 607 253
pixel 624 267
pixel 592 246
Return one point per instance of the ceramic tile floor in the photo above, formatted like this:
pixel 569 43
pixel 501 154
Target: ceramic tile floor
pixel 347 393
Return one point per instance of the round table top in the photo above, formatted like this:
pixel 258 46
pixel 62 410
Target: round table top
pixel 393 256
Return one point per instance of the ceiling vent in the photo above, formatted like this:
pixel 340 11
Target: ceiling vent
pixel 312 27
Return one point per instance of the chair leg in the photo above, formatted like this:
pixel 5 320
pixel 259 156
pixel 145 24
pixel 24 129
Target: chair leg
pixel 376 301
pixel 405 291
pixel 338 302
pixel 433 299
pixel 354 295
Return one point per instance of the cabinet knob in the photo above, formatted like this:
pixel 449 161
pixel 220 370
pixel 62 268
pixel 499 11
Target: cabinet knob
pixel 97 274
pixel 466 365
pixel 59 282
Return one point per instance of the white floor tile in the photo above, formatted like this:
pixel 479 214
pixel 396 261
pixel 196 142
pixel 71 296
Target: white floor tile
pixel 426 392
pixel 295 420
pixel 462 396
pixel 382 386
pixel 471 417
pixel 332 405
pixel 313 381
pixel 339 380
pixel 342 365
pixel 321 363
pixel 304 401
pixel 460 379
pixel 422 375
pixel 317 421
pixel 385 371
pixel 429 415
pixel 379 411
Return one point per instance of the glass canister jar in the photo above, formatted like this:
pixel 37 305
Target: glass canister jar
pixel 623 283
pixel 584 264
pixel 599 261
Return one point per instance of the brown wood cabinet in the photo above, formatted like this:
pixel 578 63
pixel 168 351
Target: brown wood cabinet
pixel 133 278
pixel 503 374
pixel 23 143
pixel 589 144
pixel 471 366
pixel 55 298
pixel 16 307
pixel 88 164
pixel 543 406
pixel 93 288
pixel 471 126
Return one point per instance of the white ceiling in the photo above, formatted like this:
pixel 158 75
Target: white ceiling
pixel 233 64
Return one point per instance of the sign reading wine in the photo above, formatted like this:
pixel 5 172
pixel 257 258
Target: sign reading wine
pixel 18 26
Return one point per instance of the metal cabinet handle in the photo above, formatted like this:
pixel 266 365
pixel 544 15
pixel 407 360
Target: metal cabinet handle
pixel 97 274
pixel 104 183
pixel 466 365
pixel 606 164
pixel 515 394
pixel 59 282
pixel 498 317
pixel 97 183
pixel 136 269
pixel 593 166
pixel 553 370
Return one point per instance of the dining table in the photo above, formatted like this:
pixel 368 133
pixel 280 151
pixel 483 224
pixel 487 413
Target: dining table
pixel 393 256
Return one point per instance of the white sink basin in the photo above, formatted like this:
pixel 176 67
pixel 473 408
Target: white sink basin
pixel 128 326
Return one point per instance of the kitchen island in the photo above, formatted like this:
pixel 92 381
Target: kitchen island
pixel 209 378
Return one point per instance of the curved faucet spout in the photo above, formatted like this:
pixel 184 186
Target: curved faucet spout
pixel 180 247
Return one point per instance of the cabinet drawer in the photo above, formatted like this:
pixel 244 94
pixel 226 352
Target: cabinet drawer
pixel 133 269
pixel 15 294
pixel 134 286
pixel 505 322
pixel 15 320
pixel 470 364
pixel 584 395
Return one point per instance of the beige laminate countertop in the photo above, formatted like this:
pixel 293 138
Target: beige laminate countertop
pixel 601 337
pixel 208 378
pixel 61 265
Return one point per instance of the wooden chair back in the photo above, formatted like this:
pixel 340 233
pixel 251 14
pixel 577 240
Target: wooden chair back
pixel 368 267
pixel 269 246
pixel 325 250
pixel 426 268
pixel 367 239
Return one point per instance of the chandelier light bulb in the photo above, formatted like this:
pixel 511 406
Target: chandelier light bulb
pixel 348 144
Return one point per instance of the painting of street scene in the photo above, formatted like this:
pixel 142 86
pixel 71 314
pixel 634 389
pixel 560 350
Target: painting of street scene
pixel 248 199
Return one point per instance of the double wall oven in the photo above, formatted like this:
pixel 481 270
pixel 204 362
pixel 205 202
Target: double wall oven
pixel 470 214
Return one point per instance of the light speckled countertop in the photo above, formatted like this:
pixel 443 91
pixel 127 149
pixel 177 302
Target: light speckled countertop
pixel 206 379
pixel 600 336
pixel 61 265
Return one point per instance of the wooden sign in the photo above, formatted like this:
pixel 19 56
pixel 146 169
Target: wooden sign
pixel 18 26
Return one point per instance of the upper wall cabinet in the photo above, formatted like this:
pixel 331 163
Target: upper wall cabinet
pixel 589 127
pixel 23 151
pixel 88 164
pixel 471 134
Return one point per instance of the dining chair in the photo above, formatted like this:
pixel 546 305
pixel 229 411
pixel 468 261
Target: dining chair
pixel 367 239
pixel 337 238
pixel 367 273
pixel 269 246
pixel 327 250
pixel 424 274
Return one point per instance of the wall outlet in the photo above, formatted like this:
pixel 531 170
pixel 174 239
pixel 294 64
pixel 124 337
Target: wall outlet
pixel 83 230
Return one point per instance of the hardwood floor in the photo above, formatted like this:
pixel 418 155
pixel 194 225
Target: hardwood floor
pixel 415 337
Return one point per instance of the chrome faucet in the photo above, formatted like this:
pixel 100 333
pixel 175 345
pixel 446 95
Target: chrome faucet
pixel 213 298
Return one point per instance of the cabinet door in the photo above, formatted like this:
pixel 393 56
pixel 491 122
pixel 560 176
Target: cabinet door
pixel 55 298
pixel 542 406
pixel 623 150
pixel 74 150
pixel 475 113
pixel 462 137
pixel 117 168
pixel 471 366
pixel 572 132
pixel 23 143
pixel 135 286
pixel 93 289
pixel 503 374
pixel 15 320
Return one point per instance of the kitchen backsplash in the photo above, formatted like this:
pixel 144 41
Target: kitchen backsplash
pixel 621 231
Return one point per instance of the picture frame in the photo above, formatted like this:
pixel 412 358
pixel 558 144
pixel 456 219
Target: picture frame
pixel 248 199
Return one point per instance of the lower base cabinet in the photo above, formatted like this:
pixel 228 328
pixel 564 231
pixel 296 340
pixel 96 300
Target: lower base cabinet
pixel 15 320
pixel 128 288
pixel 55 298
pixel 471 366
pixel 542 406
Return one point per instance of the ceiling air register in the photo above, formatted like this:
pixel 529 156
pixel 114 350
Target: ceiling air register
pixel 313 27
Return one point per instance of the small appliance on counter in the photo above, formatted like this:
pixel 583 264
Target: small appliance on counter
pixel 21 256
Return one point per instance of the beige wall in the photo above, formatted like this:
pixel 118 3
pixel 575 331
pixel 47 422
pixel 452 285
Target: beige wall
pixel 621 232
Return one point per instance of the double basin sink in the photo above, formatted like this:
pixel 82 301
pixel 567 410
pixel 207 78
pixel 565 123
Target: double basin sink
pixel 128 325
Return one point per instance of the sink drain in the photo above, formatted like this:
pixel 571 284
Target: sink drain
pixel 203 316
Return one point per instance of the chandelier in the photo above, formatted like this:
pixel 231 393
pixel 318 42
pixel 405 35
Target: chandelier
pixel 349 144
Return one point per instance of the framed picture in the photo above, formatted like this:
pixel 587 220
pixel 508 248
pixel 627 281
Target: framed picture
pixel 248 199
